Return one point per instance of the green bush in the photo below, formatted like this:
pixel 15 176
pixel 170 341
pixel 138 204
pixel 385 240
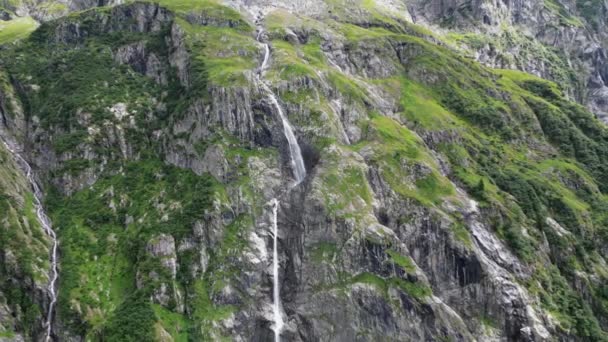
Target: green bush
pixel 133 321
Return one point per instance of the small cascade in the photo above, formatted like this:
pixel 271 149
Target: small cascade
pixel 47 226
pixel 299 173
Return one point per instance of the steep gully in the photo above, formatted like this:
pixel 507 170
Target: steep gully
pixel 48 229
pixel 299 173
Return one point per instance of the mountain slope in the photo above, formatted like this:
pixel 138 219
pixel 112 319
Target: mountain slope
pixel 24 259
pixel 443 199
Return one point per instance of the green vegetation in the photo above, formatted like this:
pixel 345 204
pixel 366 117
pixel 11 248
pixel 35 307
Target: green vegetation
pixel 7 334
pixel 206 312
pixel 224 49
pixel 175 324
pixel 88 74
pixel 460 100
pixel 555 62
pixel 101 253
pixel 347 192
pixel 488 322
pixel 406 164
pixel 422 109
pixel 22 238
pixel 416 290
pixel 221 271
pixel 68 142
pixel 480 119
pixel 565 17
pixel 346 86
pixel 212 10
pixel 376 17
pixel 106 227
pixel 591 10
pixel 224 53
pixel 324 251
pixel 472 40
pixel 133 321
pixel 566 305
pixel 404 262
pixel 462 234
pixel 16 29
pixel 53 8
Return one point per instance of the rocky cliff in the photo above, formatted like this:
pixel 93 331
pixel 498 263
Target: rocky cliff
pixel 456 170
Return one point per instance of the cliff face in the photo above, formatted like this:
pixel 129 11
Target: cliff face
pixel 24 258
pixel 445 197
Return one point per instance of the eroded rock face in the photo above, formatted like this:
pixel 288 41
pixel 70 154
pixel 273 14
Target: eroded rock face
pixel 141 17
pixel 136 56
pixel 162 250
pixel 43 10
pixel 253 8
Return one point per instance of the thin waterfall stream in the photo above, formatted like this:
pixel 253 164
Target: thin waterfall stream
pixel 299 173
pixel 276 291
pixel 48 229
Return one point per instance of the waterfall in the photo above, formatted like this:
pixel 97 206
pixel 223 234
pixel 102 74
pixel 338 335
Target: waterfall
pixel 297 162
pixel 299 173
pixel 47 227
pixel 276 305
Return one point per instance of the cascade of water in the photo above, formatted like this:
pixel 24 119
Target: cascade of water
pixel 266 56
pixel 297 162
pixel 299 172
pixel 276 307
pixel 47 227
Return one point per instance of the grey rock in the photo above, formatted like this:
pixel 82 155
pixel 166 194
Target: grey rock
pixel 136 56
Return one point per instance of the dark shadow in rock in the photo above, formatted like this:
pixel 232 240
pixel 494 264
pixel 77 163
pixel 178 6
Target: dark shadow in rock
pixel 467 269
pixel 262 131
pixel 383 217
pixel 263 331
pixel 310 155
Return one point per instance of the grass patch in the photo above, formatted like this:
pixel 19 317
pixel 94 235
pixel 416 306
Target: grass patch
pixel 224 52
pixel 324 251
pixel 404 262
pixel 462 234
pixel 347 192
pixel 401 154
pixel 422 109
pixel 175 324
pixel 16 29
pixel 416 290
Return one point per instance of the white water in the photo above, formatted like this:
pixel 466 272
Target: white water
pixel 299 172
pixel 47 226
pixel 297 162
pixel 276 305
pixel 266 56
